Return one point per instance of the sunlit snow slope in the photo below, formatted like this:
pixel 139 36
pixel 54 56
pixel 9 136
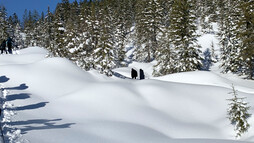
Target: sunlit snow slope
pixel 50 100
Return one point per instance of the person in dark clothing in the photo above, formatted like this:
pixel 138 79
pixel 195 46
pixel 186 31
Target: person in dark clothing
pixel 9 45
pixel 134 74
pixel 3 47
pixel 141 74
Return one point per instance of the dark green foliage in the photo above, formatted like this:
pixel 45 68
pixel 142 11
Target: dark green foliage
pixel 236 36
pixel 3 23
pixel 94 34
pixel 148 26
pixel 183 36
pixel 238 113
pixel 245 32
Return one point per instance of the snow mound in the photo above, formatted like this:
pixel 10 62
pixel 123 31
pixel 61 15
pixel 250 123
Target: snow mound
pixel 52 97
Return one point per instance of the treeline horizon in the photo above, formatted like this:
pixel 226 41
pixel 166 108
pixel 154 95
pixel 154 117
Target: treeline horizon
pixel 93 34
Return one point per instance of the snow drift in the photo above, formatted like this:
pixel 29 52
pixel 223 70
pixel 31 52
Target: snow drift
pixel 52 100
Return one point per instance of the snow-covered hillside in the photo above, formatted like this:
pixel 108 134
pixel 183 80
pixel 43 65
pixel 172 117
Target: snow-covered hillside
pixel 50 100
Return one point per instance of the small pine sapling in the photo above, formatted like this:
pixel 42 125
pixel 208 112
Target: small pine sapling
pixel 238 113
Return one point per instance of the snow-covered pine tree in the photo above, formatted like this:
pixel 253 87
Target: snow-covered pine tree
pixel 201 9
pixel 142 53
pixel 64 11
pixel 165 56
pixel 238 113
pixel 73 33
pixel 148 25
pixel 18 38
pixel 47 31
pixel 93 36
pixel 57 47
pixel 36 29
pixel 103 54
pixel 228 37
pixel 184 37
pixel 245 32
pixel 122 16
pixel 83 55
pixel 29 25
pixel 3 23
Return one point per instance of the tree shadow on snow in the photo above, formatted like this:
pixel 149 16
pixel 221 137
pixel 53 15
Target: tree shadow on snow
pixel 20 87
pixel 120 75
pixel 29 125
pixel 17 96
pixel 29 107
pixel 4 79
pixel 40 124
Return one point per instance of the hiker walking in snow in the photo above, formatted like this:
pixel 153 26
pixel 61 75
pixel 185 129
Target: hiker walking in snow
pixel 9 45
pixel 3 47
pixel 134 74
pixel 141 74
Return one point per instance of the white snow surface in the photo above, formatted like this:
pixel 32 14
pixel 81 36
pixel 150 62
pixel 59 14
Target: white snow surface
pixel 50 100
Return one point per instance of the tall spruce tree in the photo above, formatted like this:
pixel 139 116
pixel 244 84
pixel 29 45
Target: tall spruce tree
pixel 72 32
pixel 122 18
pixel 148 26
pixel 3 23
pixel 166 57
pixel 245 32
pixel 57 47
pixel 48 30
pixel 18 38
pixel 184 37
pixel 165 54
pixel 103 54
pixel 228 37
pixel 83 54
pixel 92 34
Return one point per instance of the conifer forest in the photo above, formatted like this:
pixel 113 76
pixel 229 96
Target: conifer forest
pixel 93 34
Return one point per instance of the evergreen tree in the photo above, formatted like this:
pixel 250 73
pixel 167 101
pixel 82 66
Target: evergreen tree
pixel 72 32
pixel 29 25
pixel 228 40
pixel 165 54
pixel 238 113
pixel 57 46
pixel 166 57
pixel 17 37
pixel 148 26
pixel 83 54
pixel 184 37
pixel 47 31
pixel 122 21
pixel 3 23
pixel 36 31
pixel 93 35
pixel 103 54
pixel 245 32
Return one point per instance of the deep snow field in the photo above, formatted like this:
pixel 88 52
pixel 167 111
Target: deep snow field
pixel 50 100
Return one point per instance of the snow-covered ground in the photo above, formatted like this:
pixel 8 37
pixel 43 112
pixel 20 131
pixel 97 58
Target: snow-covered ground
pixel 50 100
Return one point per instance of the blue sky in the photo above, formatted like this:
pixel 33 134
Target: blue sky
pixel 19 6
